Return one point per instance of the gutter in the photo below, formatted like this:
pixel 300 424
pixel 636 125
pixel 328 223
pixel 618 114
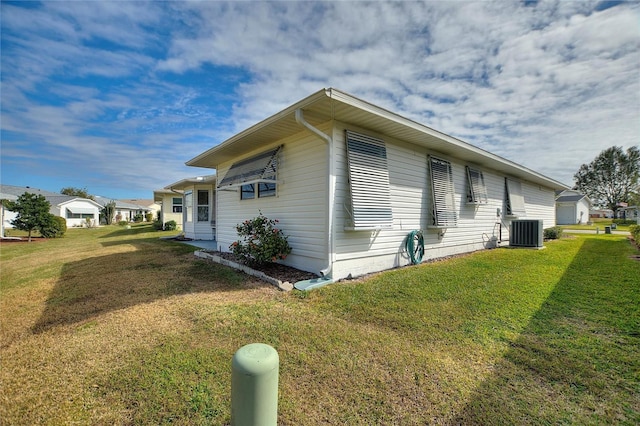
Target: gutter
pixel 325 274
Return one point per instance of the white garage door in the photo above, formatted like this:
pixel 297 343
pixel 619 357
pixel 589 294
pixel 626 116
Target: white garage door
pixel 566 215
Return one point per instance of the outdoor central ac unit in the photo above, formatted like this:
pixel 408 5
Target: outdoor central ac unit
pixel 526 233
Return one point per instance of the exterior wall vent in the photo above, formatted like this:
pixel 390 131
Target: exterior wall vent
pixel 526 233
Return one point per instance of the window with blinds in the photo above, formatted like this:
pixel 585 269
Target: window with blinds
pixel 477 192
pixel 514 203
pixel 443 211
pixel 370 206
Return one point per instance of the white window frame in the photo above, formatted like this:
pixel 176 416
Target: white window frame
pixel 443 203
pixel 477 192
pixel 204 207
pixel 188 206
pixel 176 208
pixel 370 194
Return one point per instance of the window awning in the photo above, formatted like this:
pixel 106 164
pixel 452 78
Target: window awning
pixel 262 167
pixel 82 210
pixel 442 193
pixel 515 199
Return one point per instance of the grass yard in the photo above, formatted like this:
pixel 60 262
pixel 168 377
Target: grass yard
pixel 114 326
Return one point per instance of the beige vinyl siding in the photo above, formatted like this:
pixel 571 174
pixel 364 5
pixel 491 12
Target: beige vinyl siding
pixel 300 203
pixel 167 209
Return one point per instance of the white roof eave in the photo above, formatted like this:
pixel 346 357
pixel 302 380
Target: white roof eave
pixel 332 104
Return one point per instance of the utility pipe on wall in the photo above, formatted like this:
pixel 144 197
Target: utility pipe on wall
pixel 326 272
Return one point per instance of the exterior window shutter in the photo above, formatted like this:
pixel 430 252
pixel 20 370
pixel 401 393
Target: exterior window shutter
pixel 477 193
pixel 259 167
pixel 443 194
pixel 368 182
pixel 515 199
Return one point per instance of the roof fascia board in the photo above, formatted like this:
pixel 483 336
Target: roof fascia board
pixel 183 183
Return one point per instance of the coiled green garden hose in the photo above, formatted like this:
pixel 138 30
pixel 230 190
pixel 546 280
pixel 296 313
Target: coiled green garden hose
pixel 415 246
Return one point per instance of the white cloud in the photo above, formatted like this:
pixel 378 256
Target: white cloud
pixel 530 83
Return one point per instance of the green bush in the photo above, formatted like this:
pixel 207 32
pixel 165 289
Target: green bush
pixel 553 233
pixel 157 225
pixel 148 217
pixel 55 227
pixel 171 225
pixel 260 241
pixel 635 232
pixel 138 218
pixel 123 223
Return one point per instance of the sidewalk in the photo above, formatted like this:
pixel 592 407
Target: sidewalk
pixel 593 231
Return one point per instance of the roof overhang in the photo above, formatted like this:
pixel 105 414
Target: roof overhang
pixel 332 104
pixel 183 184
pixel 80 200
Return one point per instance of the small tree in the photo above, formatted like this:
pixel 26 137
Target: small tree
pixel 108 212
pixel 76 192
pixel 32 213
pixel 611 178
pixel 261 242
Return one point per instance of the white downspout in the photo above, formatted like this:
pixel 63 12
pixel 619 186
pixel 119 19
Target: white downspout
pixel 326 272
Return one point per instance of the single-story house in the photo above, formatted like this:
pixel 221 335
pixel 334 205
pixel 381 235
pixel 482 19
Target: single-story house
pixel 600 213
pixel 572 207
pixel 170 203
pixel 124 210
pixel 3 199
pixel 147 205
pixel 630 213
pixel 77 211
pixel 192 202
pixel 349 181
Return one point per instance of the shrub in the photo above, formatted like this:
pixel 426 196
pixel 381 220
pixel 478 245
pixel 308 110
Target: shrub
pixel 553 233
pixel 137 218
pixel 123 223
pixel 157 225
pixel 55 227
pixel 170 225
pixel 260 241
pixel 148 217
pixel 635 232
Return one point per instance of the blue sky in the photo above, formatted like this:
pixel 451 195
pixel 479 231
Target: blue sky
pixel 116 96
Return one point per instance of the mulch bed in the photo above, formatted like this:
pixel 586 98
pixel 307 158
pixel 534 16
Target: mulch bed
pixel 22 240
pixel 278 271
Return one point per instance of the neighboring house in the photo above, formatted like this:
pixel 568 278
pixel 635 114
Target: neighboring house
pixel 3 199
pixel 600 213
pixel 349 181
pixel 197 208
pixel 124 211
pixel 149 205
pixel 170 203
pixel 572 207
pixel 77 211
pixel 630 213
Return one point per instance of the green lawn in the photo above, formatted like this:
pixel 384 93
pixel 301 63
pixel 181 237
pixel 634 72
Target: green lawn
pixel 114 326
pixel 597 224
